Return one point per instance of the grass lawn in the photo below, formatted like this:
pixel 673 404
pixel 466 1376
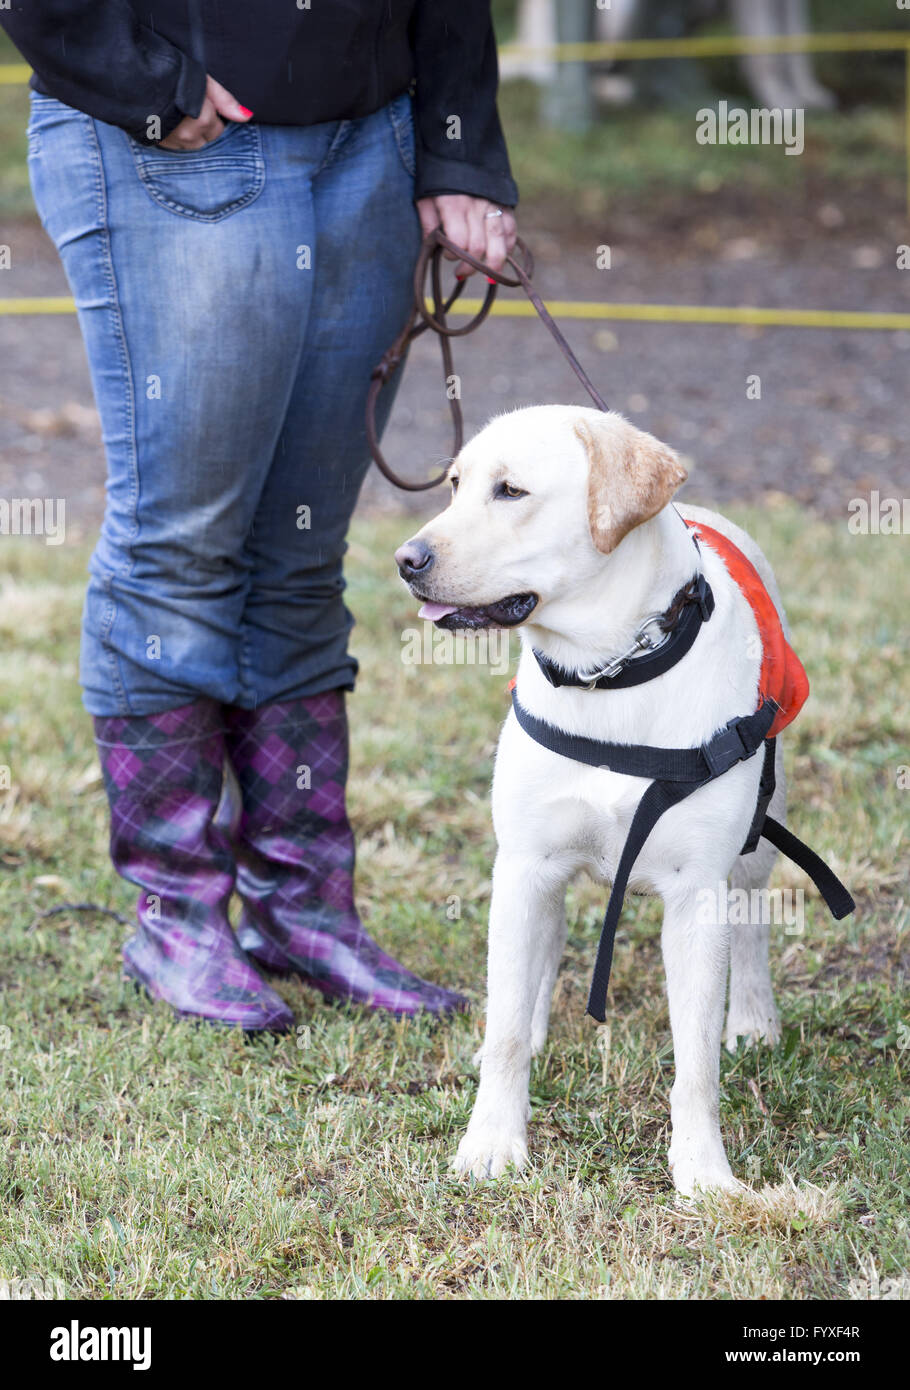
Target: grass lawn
pixel 144 1158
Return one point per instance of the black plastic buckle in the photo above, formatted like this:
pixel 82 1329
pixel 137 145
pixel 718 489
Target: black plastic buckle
pixel 726 749
pixel 548 670
pixel 703 597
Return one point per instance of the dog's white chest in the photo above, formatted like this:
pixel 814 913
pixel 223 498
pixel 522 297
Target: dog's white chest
pixel 554 810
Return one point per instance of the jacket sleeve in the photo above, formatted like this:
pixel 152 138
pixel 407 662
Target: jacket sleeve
pixel 95 55
pixel 460 145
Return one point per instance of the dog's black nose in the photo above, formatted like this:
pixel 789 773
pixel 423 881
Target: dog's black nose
pixel 414 557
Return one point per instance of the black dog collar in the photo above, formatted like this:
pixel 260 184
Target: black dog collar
pixel 691 606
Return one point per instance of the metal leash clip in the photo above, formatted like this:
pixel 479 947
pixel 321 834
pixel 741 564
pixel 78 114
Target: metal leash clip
pixel 641 642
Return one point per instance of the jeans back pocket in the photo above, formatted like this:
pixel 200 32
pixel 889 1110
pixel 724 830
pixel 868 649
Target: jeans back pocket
pixel 207 184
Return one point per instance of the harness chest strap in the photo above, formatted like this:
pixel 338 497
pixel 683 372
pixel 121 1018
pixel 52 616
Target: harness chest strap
pixel 676 773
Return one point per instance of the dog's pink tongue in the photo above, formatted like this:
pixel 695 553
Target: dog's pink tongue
pixel 434 611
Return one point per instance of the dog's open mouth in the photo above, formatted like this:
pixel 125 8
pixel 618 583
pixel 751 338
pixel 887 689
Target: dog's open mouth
pixel 505 612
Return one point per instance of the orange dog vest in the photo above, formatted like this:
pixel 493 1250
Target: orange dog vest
pixel 782 677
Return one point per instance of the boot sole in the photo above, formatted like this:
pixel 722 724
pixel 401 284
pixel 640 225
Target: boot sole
pixel 141 988
pixel 337 997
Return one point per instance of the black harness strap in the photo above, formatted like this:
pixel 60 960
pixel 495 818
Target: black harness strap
pixel 766 786
pixel 659 797
pixel 676 773
pixel 738 739
pixel 838 900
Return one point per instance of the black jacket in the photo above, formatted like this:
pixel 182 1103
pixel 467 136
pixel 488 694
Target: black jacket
pixel 123 61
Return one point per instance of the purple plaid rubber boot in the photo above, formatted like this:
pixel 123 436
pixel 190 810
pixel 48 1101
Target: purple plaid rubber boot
pixel 295 861
pixel 163 776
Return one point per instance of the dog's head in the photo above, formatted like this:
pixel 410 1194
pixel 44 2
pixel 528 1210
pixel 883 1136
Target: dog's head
pixel 541 499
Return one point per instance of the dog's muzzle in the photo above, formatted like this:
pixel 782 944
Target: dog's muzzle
pixel 415 559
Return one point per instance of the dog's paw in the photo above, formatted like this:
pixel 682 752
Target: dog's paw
pixel 695 1172
pixel 755 1022
pixel 487 1153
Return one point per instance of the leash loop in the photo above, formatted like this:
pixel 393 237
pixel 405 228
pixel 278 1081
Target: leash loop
pixel 429 262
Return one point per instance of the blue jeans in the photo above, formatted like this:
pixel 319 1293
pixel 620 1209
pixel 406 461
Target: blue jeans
pixel 233 301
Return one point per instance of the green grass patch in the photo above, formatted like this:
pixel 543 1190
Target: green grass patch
pixel 144 1158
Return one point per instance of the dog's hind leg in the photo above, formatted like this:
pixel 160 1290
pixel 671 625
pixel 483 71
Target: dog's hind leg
pixel 695 950
pixel 524 926
pixel 752 1013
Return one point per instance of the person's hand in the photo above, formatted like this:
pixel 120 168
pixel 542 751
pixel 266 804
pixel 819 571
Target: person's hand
pixel 195 131
pixel 472 223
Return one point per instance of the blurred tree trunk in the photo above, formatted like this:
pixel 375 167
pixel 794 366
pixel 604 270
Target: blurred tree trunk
pixel 568 103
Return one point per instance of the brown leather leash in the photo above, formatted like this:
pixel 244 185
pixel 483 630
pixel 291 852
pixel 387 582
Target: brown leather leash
pixel 430 259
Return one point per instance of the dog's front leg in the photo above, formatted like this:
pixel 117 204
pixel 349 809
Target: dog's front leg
pixel 554 945
pixel 522 920
pixel 695 942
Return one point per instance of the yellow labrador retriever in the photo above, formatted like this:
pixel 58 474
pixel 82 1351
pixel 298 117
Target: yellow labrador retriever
pixel 561 522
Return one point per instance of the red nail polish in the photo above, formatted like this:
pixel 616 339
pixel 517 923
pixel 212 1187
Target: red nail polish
pixel 462 276
pixel 246 110
pixel 490 280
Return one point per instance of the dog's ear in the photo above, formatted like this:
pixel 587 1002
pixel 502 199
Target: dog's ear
pixel 631 476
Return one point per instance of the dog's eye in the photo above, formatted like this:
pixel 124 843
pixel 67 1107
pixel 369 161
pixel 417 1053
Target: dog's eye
pixel 454 481
pixel 508 491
